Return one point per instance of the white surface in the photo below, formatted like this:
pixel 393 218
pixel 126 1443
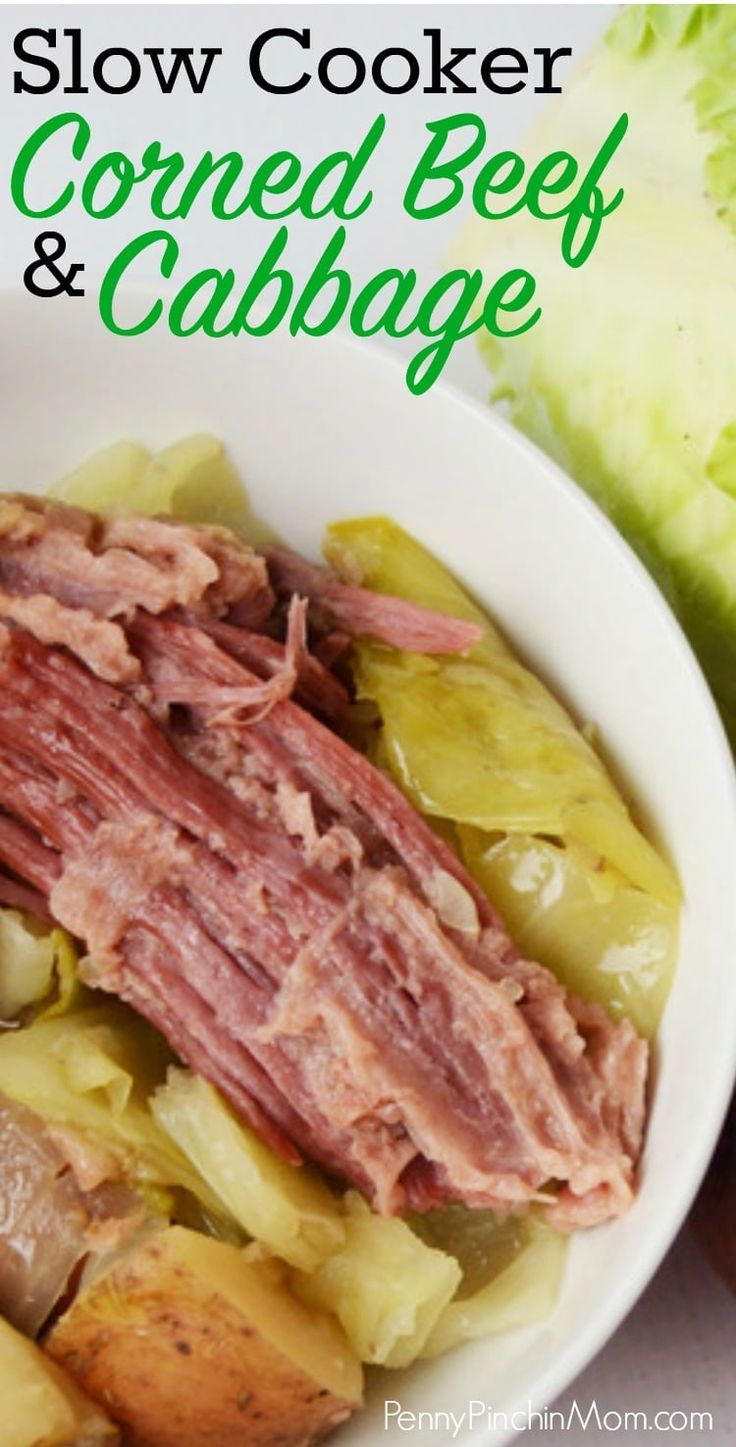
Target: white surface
pixel 674 1349
pixel 496 510
pixel 674 1353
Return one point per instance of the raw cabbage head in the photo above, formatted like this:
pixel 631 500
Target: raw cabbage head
pixel 627 379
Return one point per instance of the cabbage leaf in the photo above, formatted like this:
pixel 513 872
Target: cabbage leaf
pixel 386 1286
pixel 524 1291
pixel 38 967
pixel 93 1070
pixel 192 479
pixel 287 1208
pixel 527 802
pixel 26 962
pixel 627 378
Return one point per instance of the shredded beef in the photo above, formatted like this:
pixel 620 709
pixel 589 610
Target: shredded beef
pixel 16 895
pixel 110 566
pixel 360 611
pixel 267 898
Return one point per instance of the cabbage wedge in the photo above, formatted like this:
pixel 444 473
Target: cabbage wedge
pixel 288 1209
pixel 527 801
pixel 192 479
pixel 523 1291
pixel 385 1285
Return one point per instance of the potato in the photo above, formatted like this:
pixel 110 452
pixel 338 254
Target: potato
pixel 40 1406
pixel 190 1342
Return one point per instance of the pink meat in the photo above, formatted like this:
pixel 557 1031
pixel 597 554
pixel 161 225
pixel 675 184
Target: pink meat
pixel 292 747
pixel 15 895
pixel 21 850
pixel 293 948
pixel 100 644
pixel 111 566
pixel 360 611
pixel 315 687
pixel 105 884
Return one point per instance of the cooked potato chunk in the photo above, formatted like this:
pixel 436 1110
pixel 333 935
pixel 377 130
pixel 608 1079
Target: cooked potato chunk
pixel 192 1343
pixel 39 1404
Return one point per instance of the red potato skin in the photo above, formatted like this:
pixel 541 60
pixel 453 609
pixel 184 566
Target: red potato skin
pixel 176 1365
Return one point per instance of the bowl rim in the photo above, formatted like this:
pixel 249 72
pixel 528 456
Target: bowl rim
pixel 580 1349
pixel 567 1365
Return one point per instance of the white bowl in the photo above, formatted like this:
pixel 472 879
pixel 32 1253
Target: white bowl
pixel 323 429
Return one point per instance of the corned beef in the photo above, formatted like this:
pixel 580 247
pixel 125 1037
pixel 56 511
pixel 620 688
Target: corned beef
pixel 264 895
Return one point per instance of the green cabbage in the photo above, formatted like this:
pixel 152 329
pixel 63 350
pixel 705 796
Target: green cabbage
pixel 528 803
pixel 386 1286
pixel 287 1208
pixel 519 763
pixel 511 1271
pixel 26 963
pixel 628 377
pixel 92 1070
pixel 192 479
pixel 604 939
pixel 525 1290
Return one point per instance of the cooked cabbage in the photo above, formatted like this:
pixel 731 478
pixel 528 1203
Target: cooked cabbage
pixel 38 966
pixel 486 1248
pixel 287 1208
pixel 193 479
pixel 482 1242
pixel 93 1070
pixel 527 801
pixel 603 939
pixel 26 962
pixel 523 1291
pixel 384 1284
pixel 519 764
